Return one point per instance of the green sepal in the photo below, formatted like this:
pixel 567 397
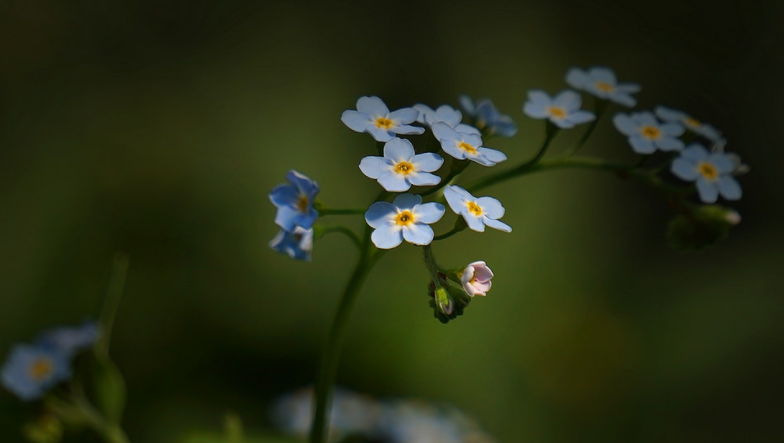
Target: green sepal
pixel 447 301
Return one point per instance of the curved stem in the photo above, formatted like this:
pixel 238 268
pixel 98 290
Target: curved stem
pixel 112 302
pixel 601 106
pixel 331 356
pixel 346 231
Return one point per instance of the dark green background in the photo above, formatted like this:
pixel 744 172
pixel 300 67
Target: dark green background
pixel 158 128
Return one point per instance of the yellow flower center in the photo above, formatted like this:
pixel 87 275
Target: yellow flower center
pixel 692 122
pixel 474 209
pixel 302 204
pixel 604 86
pixel 404 218
pixel 649 132
pixel 41 368
pixel 383 122
pixel 404 168
pixel 708 171
pixel 557 112
pixel 467 148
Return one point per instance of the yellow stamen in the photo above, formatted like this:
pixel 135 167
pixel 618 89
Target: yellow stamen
pixel 649 132
pixel 604 86
pixel 404 218
pixel 302 204
pixel 467 148
pixel 692 122
pixel 41 368
pixel 404 168
pixel 474 209
pixel 708 171
pixel 383 122
pixel 557 112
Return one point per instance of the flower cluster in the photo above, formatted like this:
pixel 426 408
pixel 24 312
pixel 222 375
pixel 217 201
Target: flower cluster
pixel 296 216
pixel 32 369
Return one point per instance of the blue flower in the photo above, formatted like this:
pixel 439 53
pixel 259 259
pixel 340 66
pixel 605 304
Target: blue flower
pixel 70 340
pixel 404 218
pixel 646 134
pixel 31 370
pixel 740 168
pixel 563 110
pixel 297 244
pixel 446 114
pixel 487 118
pixel 399 168
pixel 711 171
pixel 691 123
pixel 373 116
pixel 477 212
pixel 465 146
pixel 602 83
pixel 295 202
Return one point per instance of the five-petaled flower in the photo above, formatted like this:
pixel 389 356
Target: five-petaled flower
pixel 405 218
pixel 602 83
pixel 646 134
pixel 476 279
pixel 295 202
pixel 711 171
pixel 692 124
pixel 297 244
pixel 487 118
pixel 465 146
pixel 373 116
pixel 477 212
pixel 400 168
pixel 563 110
pixel 31 370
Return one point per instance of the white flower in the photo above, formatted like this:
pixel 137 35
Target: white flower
pixel 399 168
pixel 602 83
pixel 404 218
pixel 563 110
pixel 476 279
pixel 477 212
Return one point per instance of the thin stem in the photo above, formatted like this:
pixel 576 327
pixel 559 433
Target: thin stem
pixel 456 169
pixel 600 107
pixel 109 432
pixel 446 234
pixel 346 231
pixel 111 303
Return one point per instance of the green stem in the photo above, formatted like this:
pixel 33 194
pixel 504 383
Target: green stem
pixel 109 432
pixel 601 106
pixel 344 230
pixel 331 354
pixel 456 169
pixel 112 302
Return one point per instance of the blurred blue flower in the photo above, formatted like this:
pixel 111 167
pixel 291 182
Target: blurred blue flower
pixel 563 110
pixel 373 116
pixel 477 212
pixel 404 218
pixel 601 82
pixel 70 340
pixel 297 244
pixel 31 370
pixel 674 116
pixel 400 168
pixel 740 167
pixel 711 171
pixel 466 146
pixel 295 202
pixel 487 118
pixel 646 134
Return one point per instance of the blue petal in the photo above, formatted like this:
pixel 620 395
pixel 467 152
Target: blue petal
pixel 536 110
pixel 625 124
pixel 427 162
pixel 628 88
pixel 455 198
pixel 602 74
pixel 418 234
pixel 423 179
pixel 568 100
pixel 387 237
pixel 722 162
pixel 375 167
pixel 372 106
pixel 695 152
pixel 669 144
pixel 491 207
pixel 467 129
pixel 407 201
pixel 576 78
pixel 710 132
pixel 472 139
pixel 398 150
pixel 467 104
pixel 424 112
pixel 539 97
pixel 580 117
pixel 394 182
pixel 306 219
pixel 380 214
pixel 286 217
pixel 407 129
pixel 563 123
pixel 672 129
pixel 448 115
pixel 709 191
pixel 645 119
pixel 505 126
pixel 497 224
pixel 641 145
pixel 450 147
pixel 303 183
pixel 284 195
pixel 493 155
pixel 404 116
pixel 729 187
pixel 623 99
pixel 443 131
pixel 668 114
pixel 684 169
pixel 429 213
pixel 381 135
pixel 474 223
pixel 355 120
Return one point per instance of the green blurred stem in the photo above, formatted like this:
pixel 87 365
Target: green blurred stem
pixel 112 303
pixel 432 264
pixel 346 211
pixel 346 231
pixel 330 360
pixel 601 106
pixel 88 414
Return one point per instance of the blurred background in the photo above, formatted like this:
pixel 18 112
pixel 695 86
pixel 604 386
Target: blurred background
pixel 158 128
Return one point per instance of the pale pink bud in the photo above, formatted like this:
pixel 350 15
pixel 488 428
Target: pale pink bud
pixel 476 279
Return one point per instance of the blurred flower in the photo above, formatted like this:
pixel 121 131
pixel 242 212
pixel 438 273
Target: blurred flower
pixel 602 83
pixel 691 123
pixel 711 171
pixel 297 244
pixel 466 146
pixel 295 202
pixel 646 134
pixel 70 340
pixel 563 110
pixel 477 212
pixel 487 118
pixel 740 167
pixel 476 279
pixel 445 114
pixel 404 218
pixel 30 371
pixel 373 116
pixel 399 168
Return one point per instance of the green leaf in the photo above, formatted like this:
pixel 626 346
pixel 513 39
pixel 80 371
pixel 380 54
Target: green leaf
pixel 109 388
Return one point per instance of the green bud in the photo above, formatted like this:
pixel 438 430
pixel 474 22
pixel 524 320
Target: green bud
pixel 702 226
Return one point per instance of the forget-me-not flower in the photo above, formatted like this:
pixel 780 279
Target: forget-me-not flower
pixel 476 279
pixel 602 83
pixel 31 370
pixel 465 146
pixel 712 173
pixel 297 244
pixel 70 340
pixel 400 168
pixel 487 117
pixel 691 123
pixel 646 134
pixel 563 110
pixel 477 212
pixel 373 116
pixel 446 114
pixel 295 202
pixel 405 218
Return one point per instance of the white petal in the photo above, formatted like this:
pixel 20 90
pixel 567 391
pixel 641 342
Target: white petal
pixel 625 124
pixel 399 150
pixel 423 179
pixel 497 224
pixel 709 191
pixel 418 234
pixel 429 213
pixel 568 100
pixel 455 199
pixel 474 222
pixel 729 188
pixel 407 201
pixel 387 237
pixel 372 106
pixel 684 169
pixel 491 207
pixel 380 214
pixel 394 182
pixel 375 167
pixel 427 162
